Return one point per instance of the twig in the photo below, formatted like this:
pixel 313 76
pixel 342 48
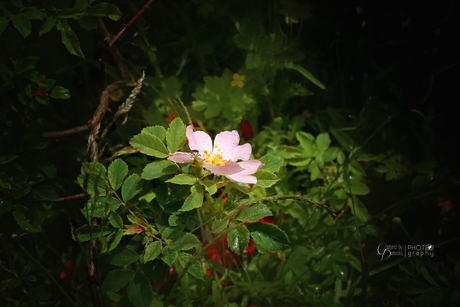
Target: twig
pixel 81 195
pixel 58 134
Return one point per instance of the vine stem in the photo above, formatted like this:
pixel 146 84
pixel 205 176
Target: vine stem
pixel 232 215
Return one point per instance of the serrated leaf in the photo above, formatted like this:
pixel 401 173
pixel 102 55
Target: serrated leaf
pixel 184 241
pixel 115 220
pixel 59 92
pixel 122 256
pixel 118 170
pixel 97 207
pixel 183 179
pixel 93 178
pixel 69 38
pixel 254 213
pixel 22 23
pixel 272 163
pixel 88 232
pixel 169 256
pixel 176 219
pixel 266 179
pixel 195 200
pixel 210 186
pixel 159 168
pixel 175 136
pixel 268 237
pixel 152 250
pixel 238 239
pixel 117 279
pixel 157 131
pixel 105 10
pixel 140 291
pixel 131 186
pixel 49 23
pixel 150 144
pixel 195 269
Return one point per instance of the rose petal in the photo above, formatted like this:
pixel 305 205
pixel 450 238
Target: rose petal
pixel 181 157
pixel 242 152
pixel 250 167
pixel 198 140
pixel 226 141
pixel 226 170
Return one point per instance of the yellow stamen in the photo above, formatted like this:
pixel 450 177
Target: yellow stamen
pixel 214 158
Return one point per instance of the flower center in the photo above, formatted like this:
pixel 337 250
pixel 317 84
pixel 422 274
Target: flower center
pixel 215 157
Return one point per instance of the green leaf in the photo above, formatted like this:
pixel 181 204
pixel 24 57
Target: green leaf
pixel 131 186
pixel 268 237
pixel 115 220
pixel 195 269
pixel 7 159
pixel 111 241
pixel 81 5
pixel 93 178
pixel 25 220
pixel 22 65
pixel 157 131
pixel 210 186
pixel 341 157
pixel 159 168
pixel 175 136
pixel 343 256
pixel 117 279
pixel 251 32
pixel 238 239
pixel 314 171
pixel 122 256
pixel 87 22
pixel 266 179
pixel 105 10
pixel 49 23
pixel 323 141
pixel 22 23
pixel 150 144
pixel 252 60
pixel 305 73
pixel 184 241
pixel 152 250
pixel 3 24
pixel 358 209
pixel 32 13
pixel 340 271
pixel 88 232
pixel 118 170
pixel 169 256
pixel 183 179
pixel 140 291
pixel 272 163
pixel 254 213
pixel 45 192
pixel 98 207
pixel 69 38
pixel 195 200
pixel 306 141
pixel 357 187
pixel 58 92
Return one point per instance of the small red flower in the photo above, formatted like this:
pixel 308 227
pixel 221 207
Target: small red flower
pixel 246 130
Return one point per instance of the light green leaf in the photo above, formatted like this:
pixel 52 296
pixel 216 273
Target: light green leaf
pixel 22 23
pixel 157 131
pixel 195 200
pixel 152 250
pixel 140 291
pixel 58 92
pixel 184 241
pixel 254 213
pixel 175 136
pixel 117 279
pixel 341 157
pixel 266 179
pixel 183 179
pixel 268 237
pixel 238 239
pixel 122 256
pixel 105 10
pixel 306 141
pixel 169 256
pixel 150 144
pixel 159 168
pixel 131 186
pixel 48 25
pixel 69 38
pixel 357 187
pixel 210 186
pixel 272 163
pixel 314 171
pixel 115 220
pixel 195 269
pixel 118 170
pixel 343 256
pixel 305 73
pixel 323 141
pixel 93 178
pixel 358 209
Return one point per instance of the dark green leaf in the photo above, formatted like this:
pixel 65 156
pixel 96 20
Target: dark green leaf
pixel 21 23
pixel 45 192
pixel 140 291
pixel 69 38
pixel 117 279
pixel 105 10
pixel 254 213
pixel 238 239
pixel 131 186
pixel 343 256
pixel 115 220
pixel 195 269
pixel 3 24
pixel 97 207
pixel 268 237
pixel 93 178
pixel 87 22
pixel 150 144
pixel 88 232
pixel 169 256
pixel 195 200
pixel 7 159
pixel 358 209
pixel 82 4
pixel 122 256
pixel 152 250
pixel 185 241
pixel 117 172
pixel 32 13
pixel 340 271
pixel 58 92
pixel 24 219
pixel 158 168
pixel 175 136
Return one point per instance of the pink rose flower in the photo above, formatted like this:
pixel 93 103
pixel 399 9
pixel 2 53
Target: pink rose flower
pixel 223 157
